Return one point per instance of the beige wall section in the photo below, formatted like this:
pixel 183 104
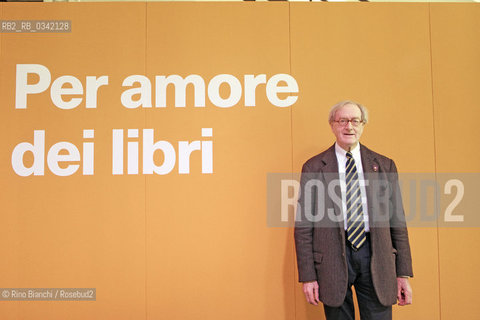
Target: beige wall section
pixel 77 231
pixel 210 254
pixel 373 56
pixel 456 66
pixel 197 246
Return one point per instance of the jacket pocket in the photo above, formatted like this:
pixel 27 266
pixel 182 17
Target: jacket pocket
pixel 317 257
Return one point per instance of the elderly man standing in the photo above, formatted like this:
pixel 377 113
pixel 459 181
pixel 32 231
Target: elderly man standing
pixel 350 228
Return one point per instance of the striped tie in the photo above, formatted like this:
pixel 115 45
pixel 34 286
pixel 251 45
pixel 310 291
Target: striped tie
pixel 355 224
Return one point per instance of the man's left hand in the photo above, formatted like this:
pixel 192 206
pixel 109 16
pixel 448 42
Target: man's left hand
pixel 404 291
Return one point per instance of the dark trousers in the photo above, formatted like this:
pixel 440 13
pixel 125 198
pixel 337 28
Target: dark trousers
pixel 359 276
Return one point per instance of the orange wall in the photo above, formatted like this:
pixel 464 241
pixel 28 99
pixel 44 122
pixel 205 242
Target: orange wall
pixel 197 246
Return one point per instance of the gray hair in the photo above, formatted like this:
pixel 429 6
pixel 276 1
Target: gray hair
pixel 333 110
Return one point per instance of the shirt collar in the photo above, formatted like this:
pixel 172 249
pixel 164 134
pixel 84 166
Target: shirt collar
pixel 355 151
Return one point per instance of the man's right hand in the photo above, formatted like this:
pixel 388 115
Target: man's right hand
pixel 310 289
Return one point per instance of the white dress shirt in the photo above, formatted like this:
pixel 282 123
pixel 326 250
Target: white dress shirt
pixel 342 160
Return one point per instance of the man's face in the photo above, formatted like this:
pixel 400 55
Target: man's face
pixel 347 135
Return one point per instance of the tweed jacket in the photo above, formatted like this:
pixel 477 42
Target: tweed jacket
pixel 320 239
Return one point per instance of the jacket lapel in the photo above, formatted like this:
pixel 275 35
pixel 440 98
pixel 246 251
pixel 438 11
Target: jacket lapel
pixel 331 177
pixel 370 172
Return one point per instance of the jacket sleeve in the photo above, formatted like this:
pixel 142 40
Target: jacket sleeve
pixel 304 234
pixel 398 227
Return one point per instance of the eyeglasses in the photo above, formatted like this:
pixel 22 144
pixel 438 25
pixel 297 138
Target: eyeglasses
pixel 343 122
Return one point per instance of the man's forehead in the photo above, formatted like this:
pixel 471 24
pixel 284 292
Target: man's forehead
pixel 349 109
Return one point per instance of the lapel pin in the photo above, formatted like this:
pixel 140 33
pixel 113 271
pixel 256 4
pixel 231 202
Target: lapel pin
pixel 375 168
